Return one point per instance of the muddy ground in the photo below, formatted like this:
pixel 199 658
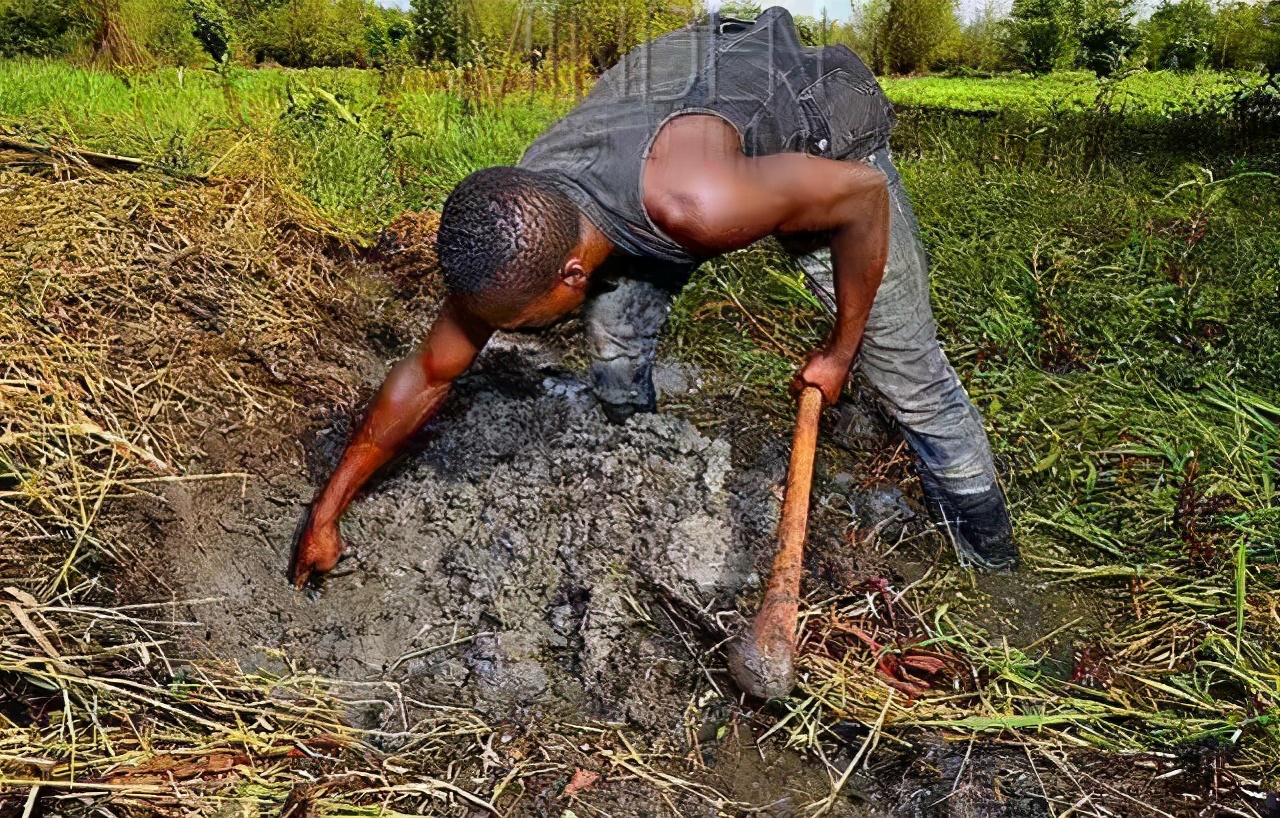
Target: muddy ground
pixel 505 566
pixel 534 562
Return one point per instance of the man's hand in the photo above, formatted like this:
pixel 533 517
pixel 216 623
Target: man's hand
pixel 826 370
pixel 316 548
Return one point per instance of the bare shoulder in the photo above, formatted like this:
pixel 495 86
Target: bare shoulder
pixel 691 163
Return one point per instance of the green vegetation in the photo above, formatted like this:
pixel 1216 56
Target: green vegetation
pixel 364 146
pixel 576 36
pixel 1149 93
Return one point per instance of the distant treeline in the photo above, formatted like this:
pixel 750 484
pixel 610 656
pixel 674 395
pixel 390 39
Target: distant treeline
pixel 581 36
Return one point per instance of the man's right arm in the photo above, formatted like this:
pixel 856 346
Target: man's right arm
pixel 408 399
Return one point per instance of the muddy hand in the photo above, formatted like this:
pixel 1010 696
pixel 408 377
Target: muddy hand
pixel 827 371
pixel 316 549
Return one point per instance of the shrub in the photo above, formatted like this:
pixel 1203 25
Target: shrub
pixel 41 28
pixel 1038 34
pixel 165 29
pixel 442 29
pixel 389 37
pixel 212 28
pixel 311 33
pixel 1180 35
pixel 1107 35
pixel 978 45
pixel 914 29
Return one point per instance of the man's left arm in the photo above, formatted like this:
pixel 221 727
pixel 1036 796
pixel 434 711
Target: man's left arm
pixel 730 204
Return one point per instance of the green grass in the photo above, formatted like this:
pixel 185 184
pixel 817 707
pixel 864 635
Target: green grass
pixel 1153 92
pixel 362 146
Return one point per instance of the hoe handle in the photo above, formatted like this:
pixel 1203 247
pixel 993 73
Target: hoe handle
pixel 760 660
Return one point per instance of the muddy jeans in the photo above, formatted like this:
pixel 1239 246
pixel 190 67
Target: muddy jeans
pixel 900 355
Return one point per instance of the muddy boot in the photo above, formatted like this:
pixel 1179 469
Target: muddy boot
pixel 978 524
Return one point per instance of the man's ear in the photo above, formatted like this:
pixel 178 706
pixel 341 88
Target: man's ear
pixel 574 275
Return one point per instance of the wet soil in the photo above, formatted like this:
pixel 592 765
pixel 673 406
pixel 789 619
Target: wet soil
pixel 507 565
pixel 534 562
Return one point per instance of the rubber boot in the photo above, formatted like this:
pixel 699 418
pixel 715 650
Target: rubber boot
pixel 978 523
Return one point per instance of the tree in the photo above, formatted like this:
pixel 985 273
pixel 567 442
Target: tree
pixel 1180 35
pixel 1269 47
pixel 865 33
pixel 1107 35
pixel 1038 34
pixel 913 31
pixel 1246 35
pixel 441 28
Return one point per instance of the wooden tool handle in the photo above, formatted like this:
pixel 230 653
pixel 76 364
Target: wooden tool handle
pixel 784 580
pixel 760 660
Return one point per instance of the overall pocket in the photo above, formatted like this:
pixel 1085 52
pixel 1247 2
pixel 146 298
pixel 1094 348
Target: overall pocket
pixel 846 115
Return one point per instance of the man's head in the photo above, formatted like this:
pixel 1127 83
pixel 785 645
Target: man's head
pixel 507 247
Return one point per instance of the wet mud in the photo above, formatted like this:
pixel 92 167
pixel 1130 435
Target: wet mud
pixel 516 561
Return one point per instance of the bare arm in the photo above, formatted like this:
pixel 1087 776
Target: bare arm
pixel 410 396
pixel 714 200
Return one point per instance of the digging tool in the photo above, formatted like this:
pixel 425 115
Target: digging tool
pixel 761 657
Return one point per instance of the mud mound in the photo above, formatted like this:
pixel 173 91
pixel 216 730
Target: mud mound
pixel 513 562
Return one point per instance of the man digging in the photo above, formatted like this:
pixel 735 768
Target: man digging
pixel 695 145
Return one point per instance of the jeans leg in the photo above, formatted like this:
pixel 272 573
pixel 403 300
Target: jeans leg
pixel 901 357
pixel 623 325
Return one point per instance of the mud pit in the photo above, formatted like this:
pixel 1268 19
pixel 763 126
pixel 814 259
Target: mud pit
pixel 513 563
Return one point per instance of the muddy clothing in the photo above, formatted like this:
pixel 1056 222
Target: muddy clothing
pixel 780 96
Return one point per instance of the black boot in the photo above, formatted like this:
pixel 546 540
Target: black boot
pixel 977 523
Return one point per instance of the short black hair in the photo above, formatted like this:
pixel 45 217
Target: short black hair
pixel 504 233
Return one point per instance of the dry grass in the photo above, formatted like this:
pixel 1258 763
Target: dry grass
pixel 136 315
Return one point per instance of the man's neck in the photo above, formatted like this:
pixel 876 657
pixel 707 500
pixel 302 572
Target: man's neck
pixel 593 245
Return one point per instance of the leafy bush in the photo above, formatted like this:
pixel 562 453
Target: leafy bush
pixel 389 36
pixel 41 28
pixel 1107 35
pixel 311 33
pixel 1180 35
pixel 442 29
pixel 914 29
pixel 164 29
pixel 1039 34
pixel 978 45
pixel 212 28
